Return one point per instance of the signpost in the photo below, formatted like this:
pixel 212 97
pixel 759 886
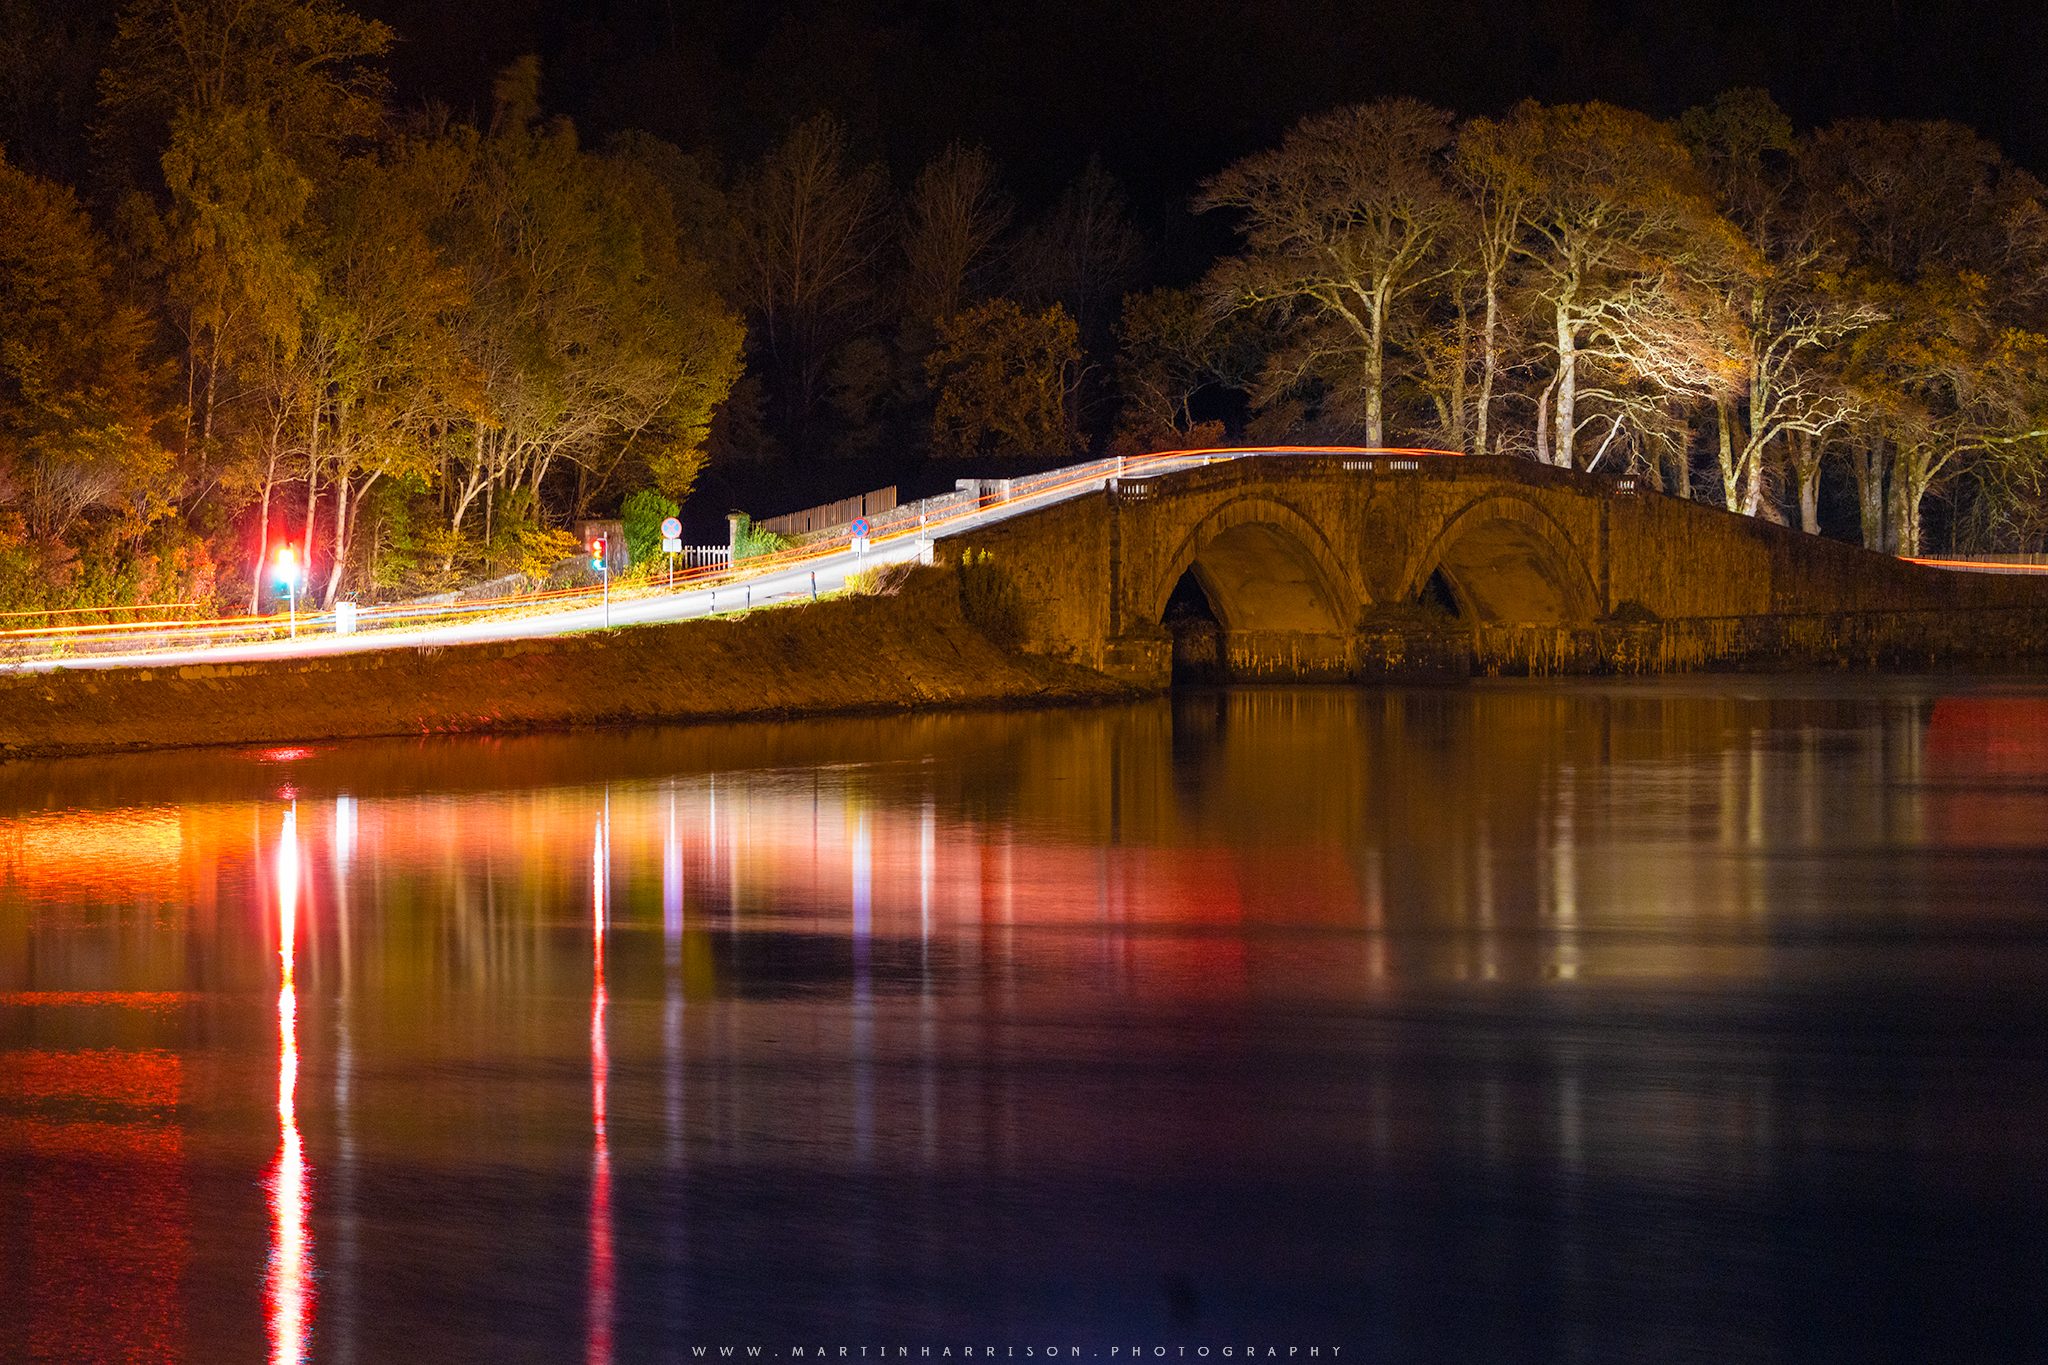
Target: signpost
pixel 860 535
pixel 671 544
pixel 288 575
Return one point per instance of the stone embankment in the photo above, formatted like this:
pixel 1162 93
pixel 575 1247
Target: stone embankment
pixel 908 650
pixel 2000 639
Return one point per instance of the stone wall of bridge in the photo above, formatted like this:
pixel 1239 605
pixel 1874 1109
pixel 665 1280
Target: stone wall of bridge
pixel 1318 567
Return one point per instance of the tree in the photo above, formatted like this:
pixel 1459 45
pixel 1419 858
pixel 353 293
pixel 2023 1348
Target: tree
pixel 1168 344
pixel 1340 222
pixel 953 219
pixel 305 70
pixel 1793 302
pixel 597 340
pixel 76 400
pixel 807 236
pixel 643 512
pixel 383 349
pixel 1003 377
pixel 1951 242
pixel 1082 255
pixel 1496 179
pixel 1619 235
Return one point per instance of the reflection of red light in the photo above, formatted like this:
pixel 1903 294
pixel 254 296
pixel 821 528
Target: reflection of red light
pixel 100 1206
pixel 598 1343
pixel 287 1289
pixel 2006 735
pixel 285 755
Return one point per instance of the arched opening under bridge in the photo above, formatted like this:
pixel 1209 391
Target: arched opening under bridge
pixel 1252 602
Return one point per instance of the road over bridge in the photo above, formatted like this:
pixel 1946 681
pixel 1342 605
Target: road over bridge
pixel 1354 565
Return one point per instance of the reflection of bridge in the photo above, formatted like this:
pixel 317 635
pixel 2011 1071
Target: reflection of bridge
pixel 1348 565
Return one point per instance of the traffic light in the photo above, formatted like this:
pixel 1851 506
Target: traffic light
pixel 286 568
pixel 597 557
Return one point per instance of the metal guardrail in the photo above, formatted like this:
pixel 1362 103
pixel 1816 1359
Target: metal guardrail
pixel 920 519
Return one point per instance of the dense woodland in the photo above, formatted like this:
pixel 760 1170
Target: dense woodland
pixel 262 301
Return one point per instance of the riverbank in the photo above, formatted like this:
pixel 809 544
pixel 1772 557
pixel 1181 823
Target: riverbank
pixel 908 650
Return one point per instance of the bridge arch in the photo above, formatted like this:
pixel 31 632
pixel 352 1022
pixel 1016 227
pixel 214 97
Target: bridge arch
pixel 1503 558
pixel 1262 566
pixel 1254 590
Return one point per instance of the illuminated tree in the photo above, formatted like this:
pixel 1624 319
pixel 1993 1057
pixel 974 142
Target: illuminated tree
pixel 594 336
pixel 1619 238
pixel 1341 222
pixel 1496 181
pixel 1950 242
pixel 1003 377
pixel 1793 302
pixel 76 401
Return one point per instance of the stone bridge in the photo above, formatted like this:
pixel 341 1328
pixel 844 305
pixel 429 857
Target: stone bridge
pixel 1363 566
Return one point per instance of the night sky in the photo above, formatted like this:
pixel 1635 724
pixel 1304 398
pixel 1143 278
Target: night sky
pixel 1165 93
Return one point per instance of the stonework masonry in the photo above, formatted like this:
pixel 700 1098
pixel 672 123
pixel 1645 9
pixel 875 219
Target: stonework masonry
pixel 1326 568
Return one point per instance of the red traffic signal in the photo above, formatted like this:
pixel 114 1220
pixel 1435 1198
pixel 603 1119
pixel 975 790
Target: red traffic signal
pixel 597 555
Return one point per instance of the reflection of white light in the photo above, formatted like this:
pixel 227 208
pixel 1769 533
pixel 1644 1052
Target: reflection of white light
pixel 927 858
pixel 287 1285
pixel 344 832
pixel 1564 888
pixel 672 886
pixel 863 877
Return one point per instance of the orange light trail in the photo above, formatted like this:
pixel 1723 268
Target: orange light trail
pixel 217 629
pixel 1976 565
pixel 287 1288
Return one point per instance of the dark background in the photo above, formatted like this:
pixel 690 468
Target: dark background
pixel 1165 93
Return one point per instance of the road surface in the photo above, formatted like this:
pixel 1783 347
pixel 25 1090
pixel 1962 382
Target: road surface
pixel 783 580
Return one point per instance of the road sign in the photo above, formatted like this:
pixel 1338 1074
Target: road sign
pixel 671 529
pixel 672 545
pixel 860 528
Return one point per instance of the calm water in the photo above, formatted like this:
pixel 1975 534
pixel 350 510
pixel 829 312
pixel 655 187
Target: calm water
pixel 1702 1020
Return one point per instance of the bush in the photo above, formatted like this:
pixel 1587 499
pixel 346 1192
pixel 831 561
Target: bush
pixel 754 541
pixel 990 601
pixel 643 514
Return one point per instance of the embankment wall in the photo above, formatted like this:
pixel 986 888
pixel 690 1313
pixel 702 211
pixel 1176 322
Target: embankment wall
pixel 850 654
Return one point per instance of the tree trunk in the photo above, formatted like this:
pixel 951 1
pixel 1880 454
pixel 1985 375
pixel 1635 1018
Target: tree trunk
pixel 341 520
pixel 1731 475
pixel 1681 469
pixel 312 486
pixel 1460 371
pixel 262 538
pixel 1806 464
pixel 1488 366
pixel 1911 481
pixel 1898 505
pixel 1567 421
pixel 1868 465
pixel 1375 374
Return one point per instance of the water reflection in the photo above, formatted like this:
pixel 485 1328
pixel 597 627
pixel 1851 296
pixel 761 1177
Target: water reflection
pixel 598 1345
pixel 1598 1011
pixel 288 1284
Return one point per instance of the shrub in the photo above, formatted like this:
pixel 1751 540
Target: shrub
pixel 990 600
pixel 643 514
pixel 755 541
